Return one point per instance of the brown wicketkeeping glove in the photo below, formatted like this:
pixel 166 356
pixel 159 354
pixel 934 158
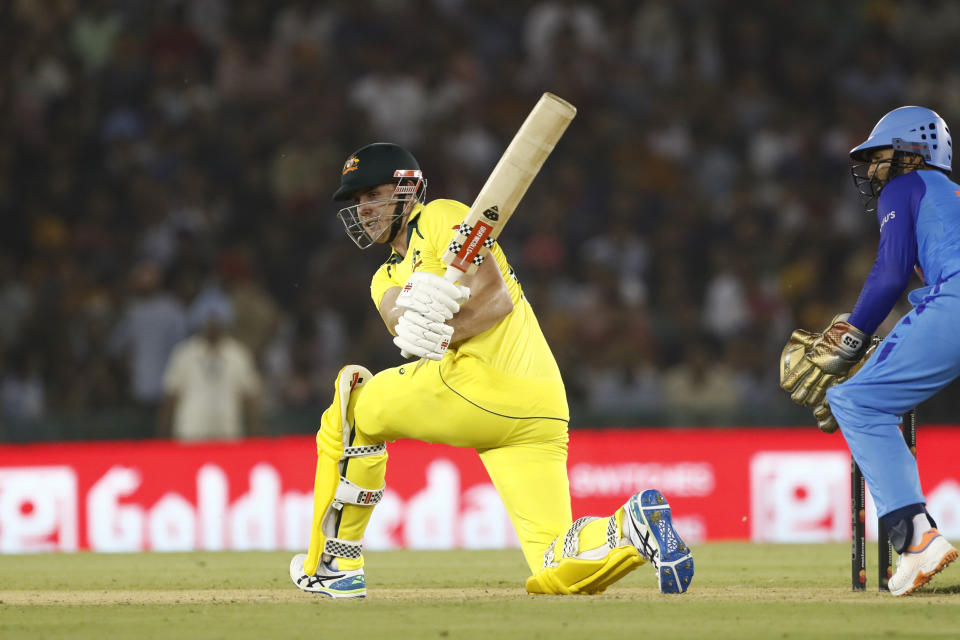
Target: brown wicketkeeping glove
pixel 830 357
pixel 822 413
pixel 824 417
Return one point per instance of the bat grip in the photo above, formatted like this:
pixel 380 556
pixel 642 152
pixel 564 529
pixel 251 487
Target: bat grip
pixel 452 274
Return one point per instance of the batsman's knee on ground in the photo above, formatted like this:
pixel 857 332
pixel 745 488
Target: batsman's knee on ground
pixel 596 552
pixel 587 559
pixel 531 480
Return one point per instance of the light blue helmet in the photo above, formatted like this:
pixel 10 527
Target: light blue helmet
pixel 914 130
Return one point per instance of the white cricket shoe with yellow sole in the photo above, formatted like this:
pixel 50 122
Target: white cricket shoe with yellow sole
pixel 921 562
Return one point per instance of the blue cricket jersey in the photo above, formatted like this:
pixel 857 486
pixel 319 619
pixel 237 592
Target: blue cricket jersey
pixel 919 217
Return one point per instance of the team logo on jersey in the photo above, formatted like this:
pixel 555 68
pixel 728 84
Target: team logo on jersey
pixel 492 214
pixel 351 165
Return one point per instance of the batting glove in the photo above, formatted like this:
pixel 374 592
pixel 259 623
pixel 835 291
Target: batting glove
pixel 432 296
pixel 421 337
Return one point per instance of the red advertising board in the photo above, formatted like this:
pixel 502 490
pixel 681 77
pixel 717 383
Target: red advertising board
pixel 786 485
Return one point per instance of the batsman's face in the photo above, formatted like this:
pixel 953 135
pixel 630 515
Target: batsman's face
pixel 376 208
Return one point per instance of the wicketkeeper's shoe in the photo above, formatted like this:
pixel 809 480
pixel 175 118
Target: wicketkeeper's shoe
pixel 921 562
pixel 649 528
pixel 328 581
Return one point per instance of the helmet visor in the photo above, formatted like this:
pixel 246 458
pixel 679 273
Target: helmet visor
pixel 365 230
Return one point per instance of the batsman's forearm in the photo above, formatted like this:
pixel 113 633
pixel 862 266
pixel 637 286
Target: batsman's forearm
pixel 389 310
pixel 479 315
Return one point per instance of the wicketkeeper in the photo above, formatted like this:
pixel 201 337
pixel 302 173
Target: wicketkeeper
pixel 488 381
pixel 902 175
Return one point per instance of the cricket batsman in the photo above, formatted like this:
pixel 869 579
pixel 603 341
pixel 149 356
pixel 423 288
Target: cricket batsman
pixel 487 381
pixel 902 174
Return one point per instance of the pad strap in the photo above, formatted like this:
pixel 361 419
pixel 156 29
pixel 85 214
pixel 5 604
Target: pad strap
pixel 613 532
pixel 349 493
pixel 365 450
pixel 342 548
pixel 571 542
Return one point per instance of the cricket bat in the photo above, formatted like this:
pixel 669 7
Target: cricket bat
pixel 506 185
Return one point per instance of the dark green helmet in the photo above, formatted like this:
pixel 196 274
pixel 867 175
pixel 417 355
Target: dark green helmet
pixel 374 164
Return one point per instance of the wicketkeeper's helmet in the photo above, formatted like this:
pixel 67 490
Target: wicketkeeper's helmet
pixel 907 130
pixel 911 130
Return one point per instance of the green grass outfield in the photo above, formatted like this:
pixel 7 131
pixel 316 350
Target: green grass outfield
pixel 740 591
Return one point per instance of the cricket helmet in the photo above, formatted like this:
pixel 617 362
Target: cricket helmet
pixel 915 130
pixel 377 163
pixel 373 165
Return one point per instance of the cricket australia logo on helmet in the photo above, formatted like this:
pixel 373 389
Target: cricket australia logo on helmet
pixel 352 164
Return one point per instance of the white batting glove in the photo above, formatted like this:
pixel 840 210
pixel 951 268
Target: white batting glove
pixel 464 294
pixel 421 337
pixel 432 296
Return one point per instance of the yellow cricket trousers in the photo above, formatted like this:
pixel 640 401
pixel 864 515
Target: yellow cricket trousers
pixel 517 425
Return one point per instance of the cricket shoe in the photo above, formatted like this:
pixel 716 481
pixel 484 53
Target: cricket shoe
pixel 649 528
pixel 921 562
pixel 327 580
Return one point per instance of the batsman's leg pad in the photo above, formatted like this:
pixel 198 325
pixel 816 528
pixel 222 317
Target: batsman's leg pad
pixel 332 490
pixel 590 557
pixel 573 576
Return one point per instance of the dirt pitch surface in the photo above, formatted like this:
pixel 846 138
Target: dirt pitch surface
pixel 739 591
pixel 106 597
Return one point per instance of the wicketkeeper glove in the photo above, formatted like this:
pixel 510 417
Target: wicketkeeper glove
pixel 828 359
pixel 822 413
pixel 824 417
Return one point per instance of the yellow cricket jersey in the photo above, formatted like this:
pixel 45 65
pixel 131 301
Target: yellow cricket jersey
pixel 511 361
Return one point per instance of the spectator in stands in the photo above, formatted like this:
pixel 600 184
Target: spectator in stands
pixel 168 132
pixel 211 386
pixel 21 386
pixel 153 322
pixel 700 389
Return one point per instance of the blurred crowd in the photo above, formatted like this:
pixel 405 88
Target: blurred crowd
pixel 169 164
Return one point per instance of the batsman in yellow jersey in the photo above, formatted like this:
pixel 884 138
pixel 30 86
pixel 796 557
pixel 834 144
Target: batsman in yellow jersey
pixel 486 379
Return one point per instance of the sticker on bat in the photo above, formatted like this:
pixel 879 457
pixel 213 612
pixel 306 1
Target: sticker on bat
pixel 493 213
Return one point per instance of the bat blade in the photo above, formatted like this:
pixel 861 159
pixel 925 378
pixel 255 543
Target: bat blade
pixel 507 184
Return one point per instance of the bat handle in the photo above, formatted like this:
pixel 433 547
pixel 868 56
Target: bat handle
pixel 452 274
